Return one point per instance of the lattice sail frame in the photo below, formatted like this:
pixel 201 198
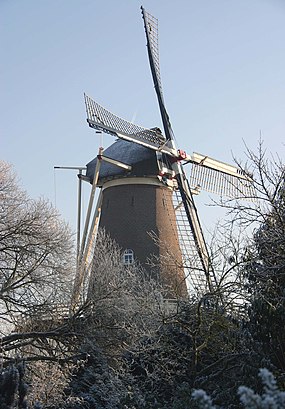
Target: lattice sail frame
pixel 103 120
pixel 196 279
pixel 151 26
pixel 220 178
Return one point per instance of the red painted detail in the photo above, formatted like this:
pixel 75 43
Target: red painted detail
pixel 181 154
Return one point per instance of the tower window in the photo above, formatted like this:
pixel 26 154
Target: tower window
pixel 128 257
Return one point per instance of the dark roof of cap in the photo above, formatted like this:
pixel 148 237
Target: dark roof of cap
pixel 142 159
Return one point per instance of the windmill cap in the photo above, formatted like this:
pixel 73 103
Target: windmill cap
pixel 142 160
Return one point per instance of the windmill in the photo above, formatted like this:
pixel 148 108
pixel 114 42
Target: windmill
pixel 144 189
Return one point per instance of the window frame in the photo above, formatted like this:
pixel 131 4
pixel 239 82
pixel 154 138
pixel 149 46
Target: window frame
pixel 128 257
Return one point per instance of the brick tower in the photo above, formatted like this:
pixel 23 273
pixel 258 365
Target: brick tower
pixel 137 212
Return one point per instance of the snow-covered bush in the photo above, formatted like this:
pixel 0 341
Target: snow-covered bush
pixel 272 398
pixel 202 399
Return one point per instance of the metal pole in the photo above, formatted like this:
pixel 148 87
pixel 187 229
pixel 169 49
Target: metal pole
pixel 80 169
pixel 79 213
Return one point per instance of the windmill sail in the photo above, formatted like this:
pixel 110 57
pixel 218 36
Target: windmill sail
pixel 151 27
pixel 103 120
pixel 151 30
pixel 194 270
pixel 220 178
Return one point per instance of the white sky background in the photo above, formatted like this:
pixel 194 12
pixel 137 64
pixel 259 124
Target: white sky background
pixel 222 67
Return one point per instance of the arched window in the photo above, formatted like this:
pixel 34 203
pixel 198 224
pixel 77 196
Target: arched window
pixel 128 257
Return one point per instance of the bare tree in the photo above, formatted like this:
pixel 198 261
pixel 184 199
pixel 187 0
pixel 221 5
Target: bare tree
pixel 36 264
pixel 123 303
pixel 267 172
pixel 233 244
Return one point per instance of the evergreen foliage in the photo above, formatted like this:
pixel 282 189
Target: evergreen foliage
pixel 13 389
pixel 95 384
pixel 265 273
pixel 271 398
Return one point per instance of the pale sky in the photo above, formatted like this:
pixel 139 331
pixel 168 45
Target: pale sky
pixel 222 67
